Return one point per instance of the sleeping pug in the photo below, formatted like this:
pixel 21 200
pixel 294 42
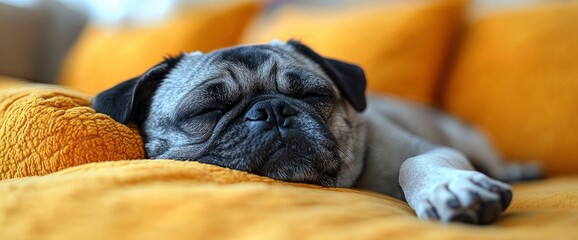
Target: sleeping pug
pixel 281 110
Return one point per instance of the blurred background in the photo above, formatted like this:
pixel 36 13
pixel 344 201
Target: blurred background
pixel 506 66
pixel 37 34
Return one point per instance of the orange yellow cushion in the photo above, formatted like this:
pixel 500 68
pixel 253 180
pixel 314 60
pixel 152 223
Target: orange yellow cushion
pixel 6 82
pixel 163 199
pixel 103 57
pixel 401 46
pixel 45 129
pixel 516 75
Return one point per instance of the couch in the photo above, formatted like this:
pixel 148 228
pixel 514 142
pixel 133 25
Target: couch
pixel 70 173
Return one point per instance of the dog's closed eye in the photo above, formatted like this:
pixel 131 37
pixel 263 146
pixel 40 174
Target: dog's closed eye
pixel 213 109
pixel 317 95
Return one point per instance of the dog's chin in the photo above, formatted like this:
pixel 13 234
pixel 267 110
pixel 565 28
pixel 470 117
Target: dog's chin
pixel 286 164
pixel 291 165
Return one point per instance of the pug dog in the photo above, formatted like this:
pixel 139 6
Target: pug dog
pixel 282 111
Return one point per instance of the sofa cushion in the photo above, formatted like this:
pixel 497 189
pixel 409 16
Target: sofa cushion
pixel 7 81
pixel 516 77
pixel 401 46
pixel 104 56
pixel 165 199
pixel 45 129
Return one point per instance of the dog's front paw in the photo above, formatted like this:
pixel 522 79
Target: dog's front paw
pixel 469 197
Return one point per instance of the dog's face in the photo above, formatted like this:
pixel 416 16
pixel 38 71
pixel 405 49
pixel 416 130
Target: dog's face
pixel 277 110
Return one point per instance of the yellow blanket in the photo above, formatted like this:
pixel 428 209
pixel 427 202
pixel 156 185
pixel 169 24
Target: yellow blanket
pixel 164 199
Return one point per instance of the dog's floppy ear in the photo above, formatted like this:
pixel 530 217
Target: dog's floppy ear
pixel 126 102
pixel 349 78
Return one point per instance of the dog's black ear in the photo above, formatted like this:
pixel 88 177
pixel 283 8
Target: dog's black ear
pixel 128 101
pixel 349 78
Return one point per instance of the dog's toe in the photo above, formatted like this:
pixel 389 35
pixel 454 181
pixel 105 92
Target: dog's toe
pixel 489 212
pixel 432 214
pixel 506 198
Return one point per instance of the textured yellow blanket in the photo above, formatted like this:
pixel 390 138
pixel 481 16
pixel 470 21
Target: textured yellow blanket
pixel 164 199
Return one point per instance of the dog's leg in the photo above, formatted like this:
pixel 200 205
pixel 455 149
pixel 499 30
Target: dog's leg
pixel 442 185
pixel 442 129
pixel 483 155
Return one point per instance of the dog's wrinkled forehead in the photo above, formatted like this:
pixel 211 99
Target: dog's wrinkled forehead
pixel 272 68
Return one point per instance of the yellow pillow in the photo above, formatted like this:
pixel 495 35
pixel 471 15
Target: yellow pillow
pixel 516 75
pixel 103 57
pixel 401 46
pixel 45 129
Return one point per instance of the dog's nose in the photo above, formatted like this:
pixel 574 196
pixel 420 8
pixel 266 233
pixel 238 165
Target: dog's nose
pixel 273 112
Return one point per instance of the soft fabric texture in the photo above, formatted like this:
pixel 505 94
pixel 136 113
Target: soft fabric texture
pixel 45 129
pixel 103 57
pixel 516 76
pixel 165 199
pixel 401 46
